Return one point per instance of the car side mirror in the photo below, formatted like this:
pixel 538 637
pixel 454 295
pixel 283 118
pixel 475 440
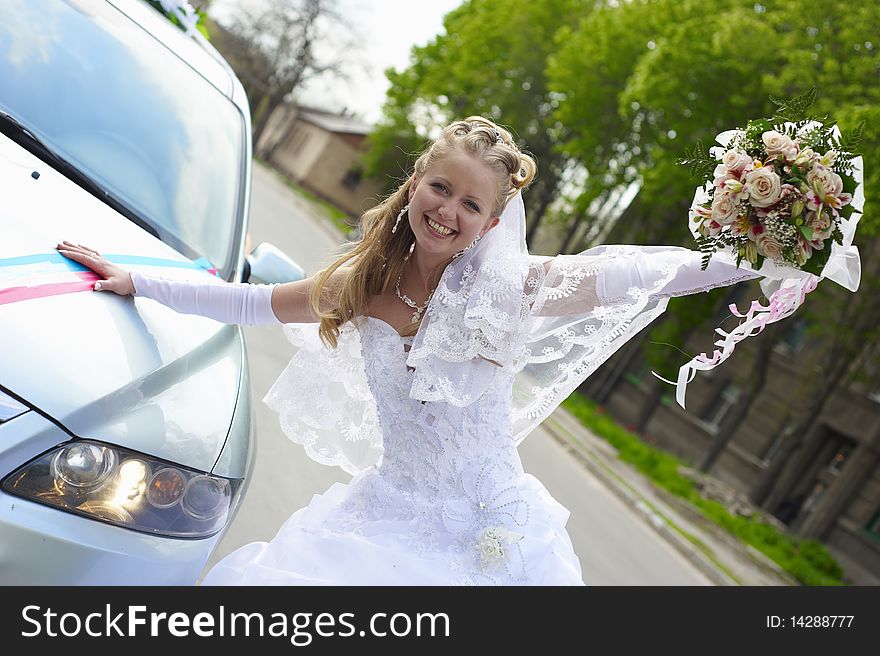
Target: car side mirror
pixel 268 264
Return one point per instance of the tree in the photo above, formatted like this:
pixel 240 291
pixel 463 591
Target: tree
pixel 489 61
pixel 752 386
pixel 637 81
pixel 283 50
pixel 851 334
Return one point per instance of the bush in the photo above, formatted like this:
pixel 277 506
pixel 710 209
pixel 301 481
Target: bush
pixel 808 561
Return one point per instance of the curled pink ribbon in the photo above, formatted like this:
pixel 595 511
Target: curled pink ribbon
pixel 782 303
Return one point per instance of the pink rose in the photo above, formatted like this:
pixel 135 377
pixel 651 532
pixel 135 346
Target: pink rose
pixel 736 161
pixel 724 209
pixel 768 246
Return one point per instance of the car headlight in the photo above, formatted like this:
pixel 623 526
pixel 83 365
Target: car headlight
pixel 121 487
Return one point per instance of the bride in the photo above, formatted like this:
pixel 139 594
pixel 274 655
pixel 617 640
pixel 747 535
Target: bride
pixel 427 352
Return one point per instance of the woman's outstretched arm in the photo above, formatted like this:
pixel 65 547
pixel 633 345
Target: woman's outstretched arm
pixel 231 303
pixel 606 276
pixel 646 270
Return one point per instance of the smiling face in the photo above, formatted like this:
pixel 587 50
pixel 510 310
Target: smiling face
pixel 451 204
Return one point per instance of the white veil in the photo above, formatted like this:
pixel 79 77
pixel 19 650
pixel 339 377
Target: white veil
pixel 500 313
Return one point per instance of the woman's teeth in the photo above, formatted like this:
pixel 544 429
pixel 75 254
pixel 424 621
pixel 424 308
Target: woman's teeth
pixel 439 229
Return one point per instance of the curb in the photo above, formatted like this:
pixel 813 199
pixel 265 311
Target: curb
pixel 666 529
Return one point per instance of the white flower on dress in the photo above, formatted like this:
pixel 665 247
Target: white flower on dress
pixel 494 544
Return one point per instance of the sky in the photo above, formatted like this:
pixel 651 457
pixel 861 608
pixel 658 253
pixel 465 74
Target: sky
pixel 390 28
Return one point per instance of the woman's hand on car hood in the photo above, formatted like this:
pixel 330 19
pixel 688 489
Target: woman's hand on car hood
pixel 116 279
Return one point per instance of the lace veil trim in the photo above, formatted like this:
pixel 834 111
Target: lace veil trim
pixel 324 402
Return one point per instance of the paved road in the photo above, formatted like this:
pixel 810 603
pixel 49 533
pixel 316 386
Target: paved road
pixel 614 545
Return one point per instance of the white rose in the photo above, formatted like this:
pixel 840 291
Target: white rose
pixel 764 186
pixel 736 160
pixel 490 549
pixel 779 144
pixel 768 246
pixel 724 209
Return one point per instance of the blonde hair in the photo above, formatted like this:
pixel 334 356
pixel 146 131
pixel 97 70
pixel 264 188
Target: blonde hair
pixel 377 259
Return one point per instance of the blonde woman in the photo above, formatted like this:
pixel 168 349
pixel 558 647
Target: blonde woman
pixel 427 353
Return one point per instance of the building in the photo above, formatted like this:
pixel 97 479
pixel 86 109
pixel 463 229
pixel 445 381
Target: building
pixel 828 489
pixel 321 151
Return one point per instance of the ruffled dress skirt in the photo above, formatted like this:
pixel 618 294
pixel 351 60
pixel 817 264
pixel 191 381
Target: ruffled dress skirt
pixel 364 533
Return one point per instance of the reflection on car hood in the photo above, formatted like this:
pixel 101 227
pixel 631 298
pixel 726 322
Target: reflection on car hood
pixel 123 370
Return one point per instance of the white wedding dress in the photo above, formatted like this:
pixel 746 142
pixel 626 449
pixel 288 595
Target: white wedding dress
pixel 417 518
pixel 438 494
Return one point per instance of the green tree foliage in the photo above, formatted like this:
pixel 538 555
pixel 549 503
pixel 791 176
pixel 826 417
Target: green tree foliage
pixel 491 61
pixel 639 81
pixel 622 88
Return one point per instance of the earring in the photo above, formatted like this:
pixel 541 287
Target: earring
pixel 463 251
pixel 399 217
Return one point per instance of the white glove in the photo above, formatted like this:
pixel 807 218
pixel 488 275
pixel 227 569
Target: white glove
pixel 233 303
pixel 647 269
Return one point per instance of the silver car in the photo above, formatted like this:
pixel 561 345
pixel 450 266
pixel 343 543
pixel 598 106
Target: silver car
pixel 126 438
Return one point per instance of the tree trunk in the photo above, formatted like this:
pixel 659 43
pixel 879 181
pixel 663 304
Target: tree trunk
pixel 569 236
pixel 777 477
pixel 262 120
pixel 545 198
pixel 649 407
pixel 757 379
pixel 619 366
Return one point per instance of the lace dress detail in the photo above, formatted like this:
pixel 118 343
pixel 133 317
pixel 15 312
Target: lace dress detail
pixel 447 503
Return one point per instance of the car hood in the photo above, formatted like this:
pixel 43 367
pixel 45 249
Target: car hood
pixel 122 370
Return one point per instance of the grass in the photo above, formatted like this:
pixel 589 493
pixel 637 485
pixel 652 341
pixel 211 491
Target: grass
pixel 808 561
pixel 340 219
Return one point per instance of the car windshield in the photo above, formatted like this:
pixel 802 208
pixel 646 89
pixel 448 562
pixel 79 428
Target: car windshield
pixel 108 98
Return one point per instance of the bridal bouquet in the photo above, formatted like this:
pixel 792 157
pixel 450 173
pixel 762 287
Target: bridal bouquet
pixel 776 190
pixel 782 194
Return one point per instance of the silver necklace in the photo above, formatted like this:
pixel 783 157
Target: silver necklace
pixel 411 303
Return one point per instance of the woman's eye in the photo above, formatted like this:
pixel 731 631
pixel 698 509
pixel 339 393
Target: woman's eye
pixel 439 185
pixel 474 206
